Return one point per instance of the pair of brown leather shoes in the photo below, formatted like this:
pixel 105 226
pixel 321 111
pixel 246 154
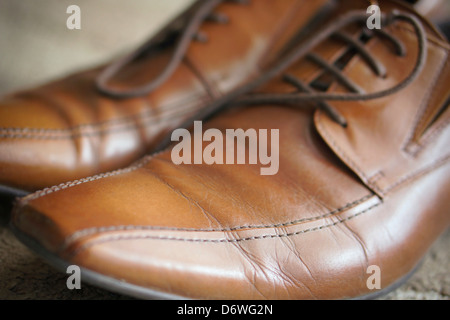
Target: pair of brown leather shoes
pixel 363 163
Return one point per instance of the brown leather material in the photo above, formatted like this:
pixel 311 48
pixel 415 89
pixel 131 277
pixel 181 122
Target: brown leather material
pixel 68 130
pixel 409 155
pixel 373 193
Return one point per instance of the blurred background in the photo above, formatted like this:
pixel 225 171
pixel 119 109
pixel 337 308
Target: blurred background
pixel 36 47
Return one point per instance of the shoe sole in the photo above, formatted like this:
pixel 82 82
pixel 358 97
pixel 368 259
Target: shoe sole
pixel 121 287
pixel 91 277
pixel 7 197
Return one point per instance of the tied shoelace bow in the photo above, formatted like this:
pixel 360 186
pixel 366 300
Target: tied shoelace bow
pixel 189 32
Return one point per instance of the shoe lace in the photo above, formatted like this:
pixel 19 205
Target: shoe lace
pixel 306 92
pixel 241 95
pixel 201 13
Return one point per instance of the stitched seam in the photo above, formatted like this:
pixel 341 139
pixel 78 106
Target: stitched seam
pixel 423 111
pixel 427 138
pixel 97 132
pixel 41 193
pixel 418 173
pixel 95 126
pixel 235 240
pixel 375 187
pixel 377 176
pixel 90 231
pixel 168 107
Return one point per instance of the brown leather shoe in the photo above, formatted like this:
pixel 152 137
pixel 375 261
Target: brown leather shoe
pixel 361 190
pixel 106 118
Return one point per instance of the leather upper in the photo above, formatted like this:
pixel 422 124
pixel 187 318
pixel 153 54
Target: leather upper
pixel 68 129
pixel 372 193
